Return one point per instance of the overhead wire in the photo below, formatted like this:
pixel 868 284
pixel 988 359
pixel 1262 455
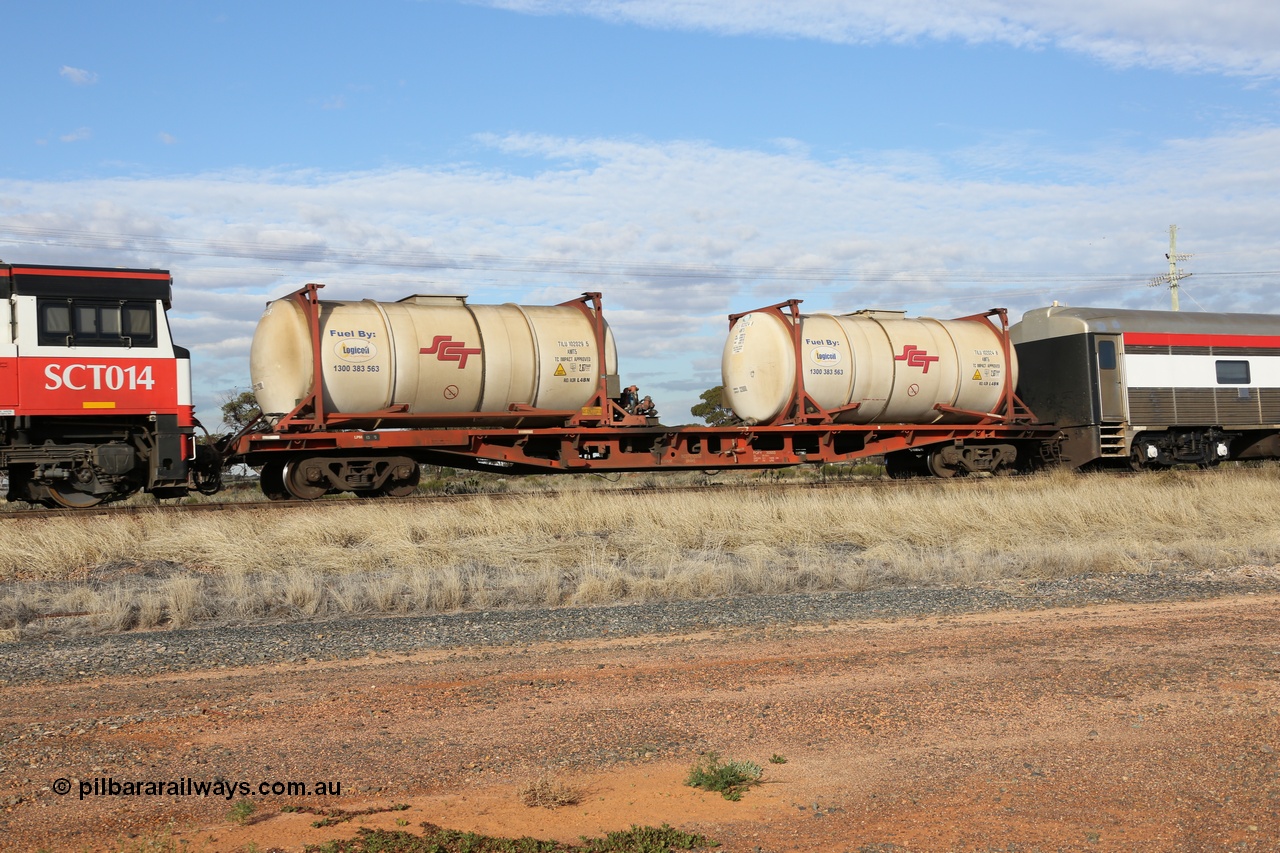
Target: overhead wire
pixel 629 271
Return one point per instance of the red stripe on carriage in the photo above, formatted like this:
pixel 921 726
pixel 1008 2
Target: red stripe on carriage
pixel 1165 339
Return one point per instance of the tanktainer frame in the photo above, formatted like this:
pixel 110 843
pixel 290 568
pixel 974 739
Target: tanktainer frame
pixel 310 451
pixel 803 407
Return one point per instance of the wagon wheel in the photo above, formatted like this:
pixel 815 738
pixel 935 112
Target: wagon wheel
pixel 304 481
pixel 404 479
pixel 272 481
pixel 938 468
pixel 65 495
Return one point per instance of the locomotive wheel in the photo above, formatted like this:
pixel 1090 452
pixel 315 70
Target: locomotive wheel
pixel 65 495
pixel 297 484
pixel 272 481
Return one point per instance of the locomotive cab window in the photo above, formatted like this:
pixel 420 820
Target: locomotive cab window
pixel 1232 372
pixel 80 322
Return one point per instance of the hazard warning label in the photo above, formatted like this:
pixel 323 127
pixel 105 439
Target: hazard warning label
pixel 977 374
pixel 559 370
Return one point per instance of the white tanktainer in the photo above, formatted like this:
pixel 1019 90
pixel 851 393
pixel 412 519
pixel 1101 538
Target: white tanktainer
pixel 867 367
pixel 431 356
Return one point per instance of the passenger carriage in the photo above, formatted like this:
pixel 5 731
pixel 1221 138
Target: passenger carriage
pixel 1153 388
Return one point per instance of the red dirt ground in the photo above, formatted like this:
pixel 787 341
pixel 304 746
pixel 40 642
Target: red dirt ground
pixel 1126 727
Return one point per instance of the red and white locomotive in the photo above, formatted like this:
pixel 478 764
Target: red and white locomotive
pixel 95 399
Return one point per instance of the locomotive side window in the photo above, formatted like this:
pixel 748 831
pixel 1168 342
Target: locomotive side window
pixel 55 322
pixel 79 322
pixel 1232 372
pixel 97 322
pixel 140 323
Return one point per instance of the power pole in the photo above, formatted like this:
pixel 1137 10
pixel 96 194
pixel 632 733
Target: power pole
pixel 1173 276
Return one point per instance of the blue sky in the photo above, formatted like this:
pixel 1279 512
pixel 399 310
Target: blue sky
pixel 689 158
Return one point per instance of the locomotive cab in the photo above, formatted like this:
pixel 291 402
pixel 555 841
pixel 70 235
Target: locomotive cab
pixel 95 399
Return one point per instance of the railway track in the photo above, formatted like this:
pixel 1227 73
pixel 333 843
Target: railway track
pixel 36 513
pixel 33 513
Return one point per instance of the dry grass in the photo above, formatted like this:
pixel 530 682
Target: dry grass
pixel 547 794
pixel 591 547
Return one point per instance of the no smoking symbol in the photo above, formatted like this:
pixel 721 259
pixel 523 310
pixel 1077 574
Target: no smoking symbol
pixel 913 389
pixel 450 391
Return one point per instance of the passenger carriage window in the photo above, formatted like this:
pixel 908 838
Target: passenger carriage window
pixel 96 323
pixel 1106 355
pixel 1232 372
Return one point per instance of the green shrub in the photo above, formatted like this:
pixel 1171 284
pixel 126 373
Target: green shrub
pixel 242 811
pixel 730 779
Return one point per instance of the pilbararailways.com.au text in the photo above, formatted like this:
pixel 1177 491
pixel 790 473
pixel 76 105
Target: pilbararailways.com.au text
pixel 188 787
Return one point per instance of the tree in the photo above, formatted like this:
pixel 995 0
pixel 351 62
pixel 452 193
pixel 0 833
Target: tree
pixel 239 409
pixel 712 408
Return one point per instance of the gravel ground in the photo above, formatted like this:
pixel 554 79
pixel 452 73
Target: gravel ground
pixel 155 652
pixel 1130 712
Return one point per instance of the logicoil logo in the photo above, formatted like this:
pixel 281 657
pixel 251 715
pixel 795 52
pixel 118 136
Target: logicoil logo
pixel 355 350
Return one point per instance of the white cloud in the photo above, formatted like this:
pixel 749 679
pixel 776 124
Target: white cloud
pixel 1184 35
pixel 168 138
pixel 676 235
pixel 78 76
pixel 78 135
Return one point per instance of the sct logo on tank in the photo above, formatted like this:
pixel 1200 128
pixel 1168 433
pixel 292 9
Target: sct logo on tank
pixel 825 356
pixel 445 348
pixel 355 350
pixel 916 357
